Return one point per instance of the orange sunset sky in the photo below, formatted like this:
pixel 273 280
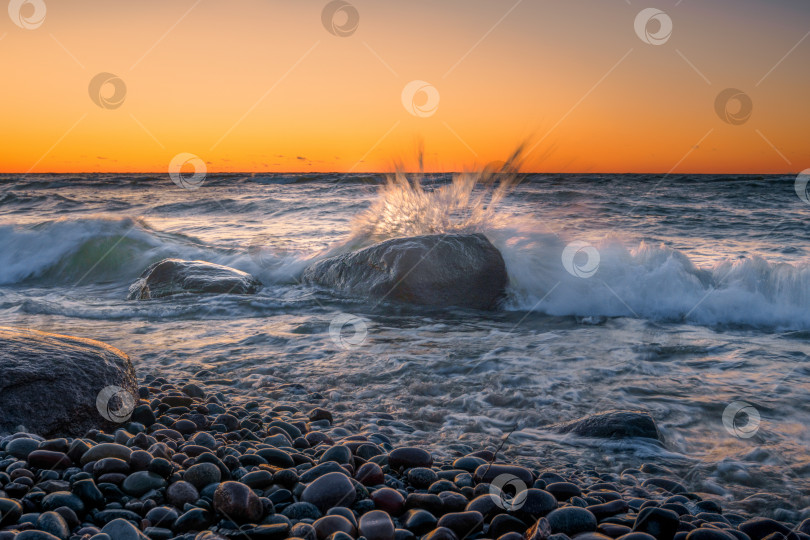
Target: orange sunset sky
pixel 262 85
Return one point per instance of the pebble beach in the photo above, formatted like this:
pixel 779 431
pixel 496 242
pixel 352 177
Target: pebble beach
pixel 188 464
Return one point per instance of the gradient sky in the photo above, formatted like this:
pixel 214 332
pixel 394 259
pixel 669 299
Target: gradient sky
pixel 261 85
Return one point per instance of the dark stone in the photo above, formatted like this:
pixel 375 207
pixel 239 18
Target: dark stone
pixel 664 483
pixel 489 472
pixel 662 524
pixel 759 528
pixel 563 491
pixel 141 482
pixel 389 500
pixel 463 270
pixel 419 521
pixel 463 524
pixel 571 520
pixel 541 530
pixel 162 516
pixel 504 524
pixel 53 523
pixel 440 533
pixel 329 490
pixel 320 470
pixel 421 477
pixel 50 383
pixel 328 525
pixel 370 474
pixel 407 457
pixel 10 511
pixel 338 453
pixel 181 493
pixel 200 475
pixel 533 503
pixel 174 276
pixel 47 459
pixel 238 502
pixel 612 425
pixel 376 525
pixel 709 534
pixel 194 519
pixel 301 510
pixel 604 510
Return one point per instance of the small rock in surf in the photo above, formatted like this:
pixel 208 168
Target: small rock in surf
pixel 175 276
pixel 613 425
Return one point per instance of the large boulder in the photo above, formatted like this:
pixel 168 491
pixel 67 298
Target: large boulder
pixel 176 276
pixel 55 385
pixel 612 425
pixel 463 270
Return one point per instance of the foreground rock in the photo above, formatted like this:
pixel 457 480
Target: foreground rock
pixel 463 270
pixel 50 384
pixel 613 425
pixel 175 276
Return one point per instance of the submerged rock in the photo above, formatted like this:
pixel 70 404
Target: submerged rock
pixel 613 425
pixel 51 384
pixel 176 276
pixel 463 270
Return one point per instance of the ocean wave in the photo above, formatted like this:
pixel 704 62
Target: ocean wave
pixel 85 250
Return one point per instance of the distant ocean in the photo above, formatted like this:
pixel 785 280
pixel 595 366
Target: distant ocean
pixel 686 296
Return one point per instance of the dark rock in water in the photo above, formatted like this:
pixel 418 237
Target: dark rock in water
pixel 176 276
pixel 52 384
pixel 613 425
pixel 463 270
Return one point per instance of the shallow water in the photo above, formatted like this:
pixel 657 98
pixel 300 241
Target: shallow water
pixel 701 298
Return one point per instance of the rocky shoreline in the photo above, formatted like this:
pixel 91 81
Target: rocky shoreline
pixel 184 462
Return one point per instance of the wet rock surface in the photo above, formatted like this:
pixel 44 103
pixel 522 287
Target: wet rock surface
pixel 444 270
pixel 50 385
pixel 175 276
